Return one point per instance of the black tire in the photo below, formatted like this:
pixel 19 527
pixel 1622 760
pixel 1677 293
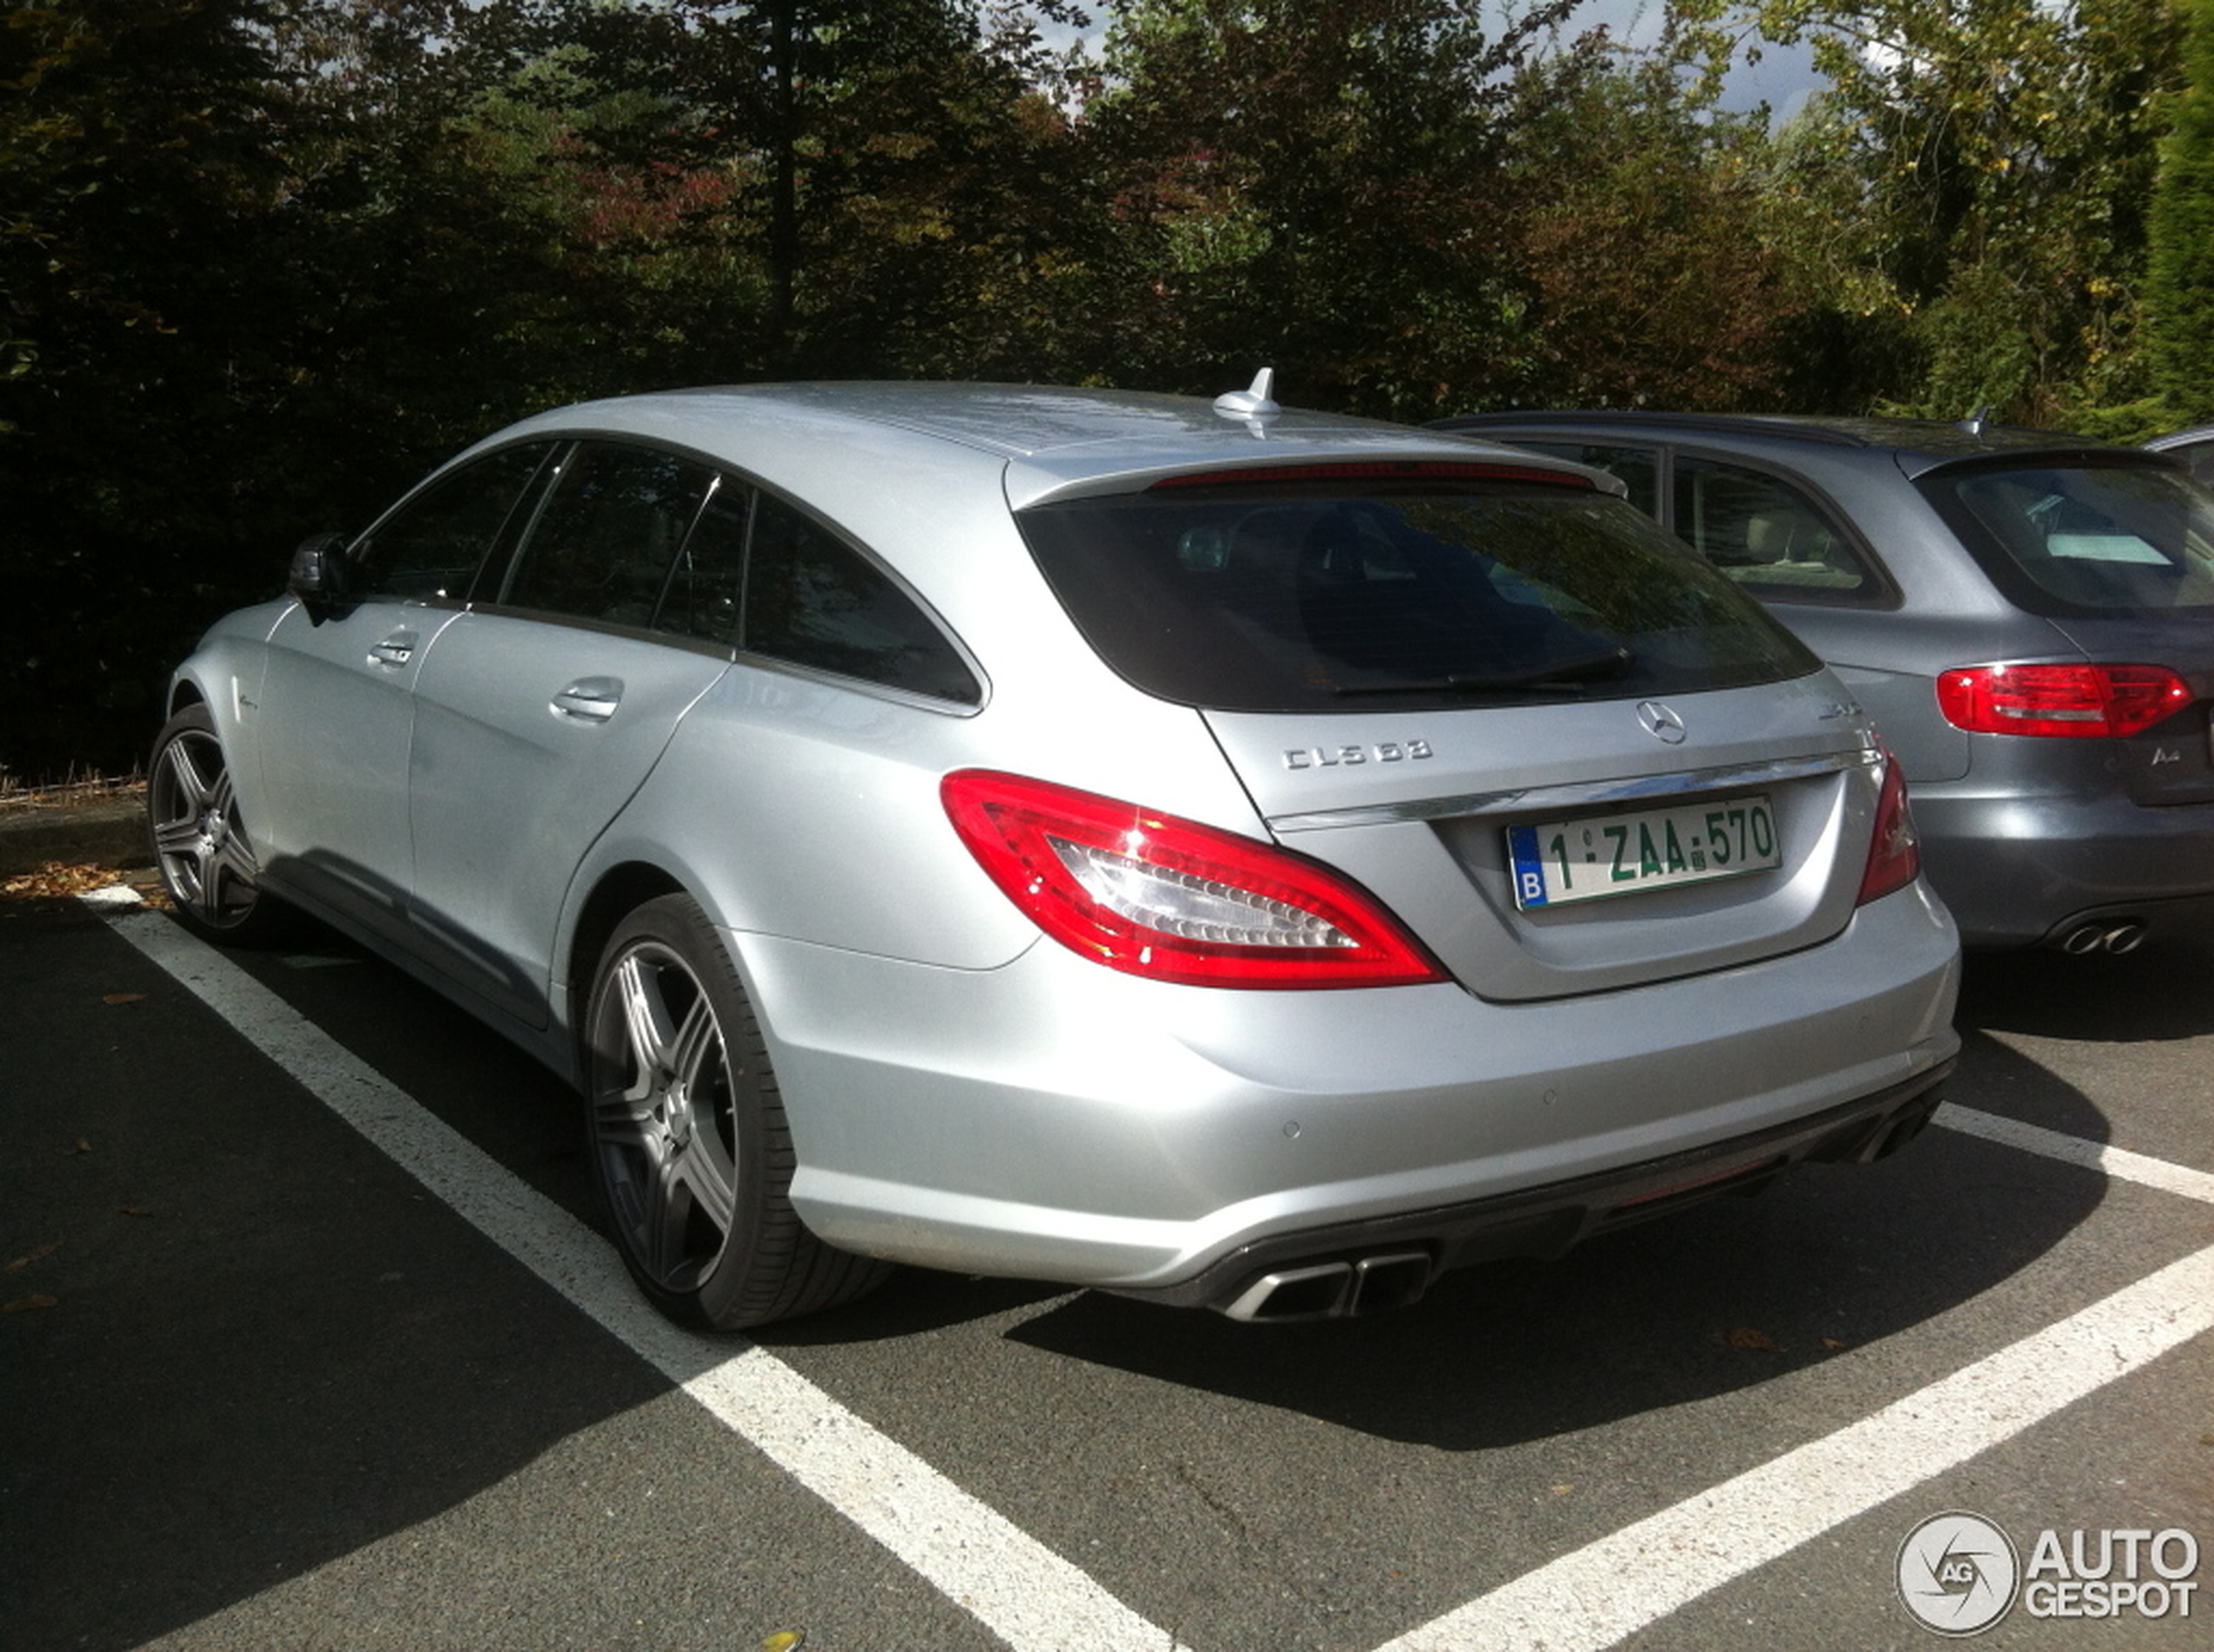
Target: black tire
pixel 691 1152
pixel 199 845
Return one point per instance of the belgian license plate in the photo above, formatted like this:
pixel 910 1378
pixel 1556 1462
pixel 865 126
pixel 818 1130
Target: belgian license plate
pixel 1562 861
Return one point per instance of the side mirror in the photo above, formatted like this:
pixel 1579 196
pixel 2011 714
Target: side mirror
pixel 318 574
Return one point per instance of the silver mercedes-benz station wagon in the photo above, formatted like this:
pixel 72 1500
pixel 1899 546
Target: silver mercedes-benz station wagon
pixel 1234 856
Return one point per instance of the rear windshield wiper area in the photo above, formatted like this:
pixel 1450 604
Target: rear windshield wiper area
pixel 1565 676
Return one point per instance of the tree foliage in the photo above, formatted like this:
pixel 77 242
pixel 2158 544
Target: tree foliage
pixel 1314 184
pixel 1978 171
pixel 1642 243
pixel 2180 285
pixel 139 256
pixel 262 261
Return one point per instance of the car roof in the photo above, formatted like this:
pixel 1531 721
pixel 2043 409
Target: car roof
pixel 1051 442
pixel 1918 444
pixel 2181 437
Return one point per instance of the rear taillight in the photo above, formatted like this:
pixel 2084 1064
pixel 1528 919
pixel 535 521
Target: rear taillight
pixel 1171 899
pixel 1895 856
pixel 2071 702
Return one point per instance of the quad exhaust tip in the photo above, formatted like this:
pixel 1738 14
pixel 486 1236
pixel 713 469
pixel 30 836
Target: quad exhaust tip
pixel 1334 1290
pixel 2115 938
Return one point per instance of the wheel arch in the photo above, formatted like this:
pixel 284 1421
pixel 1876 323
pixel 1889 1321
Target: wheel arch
pixel 620 890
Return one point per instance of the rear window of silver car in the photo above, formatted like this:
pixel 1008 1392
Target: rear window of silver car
pixel 1304 596
pixel 2093 539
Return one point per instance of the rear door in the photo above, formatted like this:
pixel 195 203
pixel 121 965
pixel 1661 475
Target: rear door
pixel 539 715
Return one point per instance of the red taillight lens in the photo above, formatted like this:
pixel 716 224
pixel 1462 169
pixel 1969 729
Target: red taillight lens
pixel 1171 899
pixel 2072 701
pixel 1895 857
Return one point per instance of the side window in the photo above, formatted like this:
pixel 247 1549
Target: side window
pixel 703 596
pixel 1638 468
pixel 433 545
pixel 812 599
pixel 1765 535
pixel 605 539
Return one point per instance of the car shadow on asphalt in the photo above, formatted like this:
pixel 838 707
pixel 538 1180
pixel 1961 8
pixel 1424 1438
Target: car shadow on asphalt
pixel 2158 992
pixel 252 1342
pixel 1728 1296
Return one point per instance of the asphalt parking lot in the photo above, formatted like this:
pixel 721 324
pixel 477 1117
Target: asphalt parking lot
pixel 308 1344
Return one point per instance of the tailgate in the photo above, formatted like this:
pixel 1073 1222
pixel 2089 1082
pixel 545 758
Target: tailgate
pixel 2173 761
pixel 1737 832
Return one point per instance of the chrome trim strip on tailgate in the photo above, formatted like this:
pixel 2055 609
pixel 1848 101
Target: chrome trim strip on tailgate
pixel 1589 794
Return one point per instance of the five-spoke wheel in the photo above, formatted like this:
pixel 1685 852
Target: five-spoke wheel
pixel 690 1148
pixel 206 864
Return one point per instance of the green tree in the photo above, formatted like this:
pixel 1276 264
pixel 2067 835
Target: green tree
pixel 1642 234
pixel 898 174
pixel 1318 185
pixel 1976 180
pixel 141 247
pixel 2180 284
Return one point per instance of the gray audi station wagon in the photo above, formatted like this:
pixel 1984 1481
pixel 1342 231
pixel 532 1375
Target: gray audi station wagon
pixel 1232 856
pixel 2028 616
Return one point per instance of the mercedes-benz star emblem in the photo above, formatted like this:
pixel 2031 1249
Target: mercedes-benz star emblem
pixel 1660 723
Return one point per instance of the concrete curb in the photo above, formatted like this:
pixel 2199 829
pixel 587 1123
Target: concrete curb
pixel 111 833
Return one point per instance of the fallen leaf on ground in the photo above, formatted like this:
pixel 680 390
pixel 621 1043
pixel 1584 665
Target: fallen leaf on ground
pixel 38 1253
pixel 783 1640
pixel 123 997
pixel 59 878
pixel 84 1145
pixel 1746 1336
pixel 132 1210
pixel 37 1299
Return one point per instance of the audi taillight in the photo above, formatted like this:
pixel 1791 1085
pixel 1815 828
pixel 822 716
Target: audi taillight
pixel 2070 702
pixel 1895 856
pixel 1172 900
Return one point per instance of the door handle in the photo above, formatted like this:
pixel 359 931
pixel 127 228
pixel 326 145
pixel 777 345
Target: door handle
pixel 593 699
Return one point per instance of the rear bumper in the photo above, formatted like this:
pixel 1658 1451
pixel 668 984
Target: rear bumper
pixel 1357 1267
pixel 1054 1121
pixel 2016 871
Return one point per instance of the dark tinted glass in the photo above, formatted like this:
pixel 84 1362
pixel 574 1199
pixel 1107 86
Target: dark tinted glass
pixel 602 546
pixel 433 545
pixel 1765 535
pixel 812 598
pixel 2086 539
pixel 1277 598
pixel 702 595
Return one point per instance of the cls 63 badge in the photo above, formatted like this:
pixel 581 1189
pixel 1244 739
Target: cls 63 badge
pixel 1345 756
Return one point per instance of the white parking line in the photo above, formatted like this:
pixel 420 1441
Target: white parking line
pixel 1017 1587
pixel 1594 1596
pixel 2118 1162
pixel 1588 1599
